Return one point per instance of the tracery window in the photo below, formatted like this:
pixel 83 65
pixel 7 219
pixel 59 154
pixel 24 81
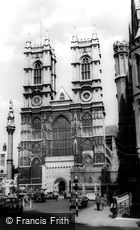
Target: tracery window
pixel 85 68
pixel 36 128
pixel 36 173
pixel 61 137
pixel 36 148
pixel 90 180
pixel 87 145
pixel 37 73
pixel 87 124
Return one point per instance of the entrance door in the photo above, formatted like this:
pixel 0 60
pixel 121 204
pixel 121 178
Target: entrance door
pixel 61 187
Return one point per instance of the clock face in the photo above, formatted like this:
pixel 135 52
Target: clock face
pixel 86 96
pixel 36 100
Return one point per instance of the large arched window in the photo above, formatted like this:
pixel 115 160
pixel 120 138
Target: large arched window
pixel 36 128
pixel 87 124
pixel 61 137
pixel 37 73
pixel 36 171
pixel 85 68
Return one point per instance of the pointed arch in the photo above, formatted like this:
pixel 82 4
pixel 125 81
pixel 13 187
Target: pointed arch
pixel 36 170
pixel 87 145
pixel 36 128
pixel 87 123
pixel 85 67
pixel 61 129
pixel 37 72
pixel 90 180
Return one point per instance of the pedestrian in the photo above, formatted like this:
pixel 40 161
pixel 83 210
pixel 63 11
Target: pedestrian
pixel 102 202
pixel 97 200
pixel 26 199
pixel 113 208
pixel 64 193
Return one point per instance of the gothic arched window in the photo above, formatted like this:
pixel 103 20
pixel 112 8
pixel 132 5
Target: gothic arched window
pixel 37 73
pixel 87 123
pixel 85 68
pixel 61 137
pixel 87 145
pixel 36 171
pixel 90 180
pixel 36 128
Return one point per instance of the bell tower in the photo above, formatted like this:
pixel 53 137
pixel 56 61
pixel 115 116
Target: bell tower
pixel 39 79
pixel 86 84
pixel 39 90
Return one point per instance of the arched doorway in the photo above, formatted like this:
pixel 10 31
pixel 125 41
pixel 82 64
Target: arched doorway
pixel 61 187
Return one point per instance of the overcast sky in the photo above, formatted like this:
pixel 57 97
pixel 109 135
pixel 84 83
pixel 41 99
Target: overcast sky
pixel 18 18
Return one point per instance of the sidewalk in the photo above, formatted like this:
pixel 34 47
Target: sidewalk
pixel 92 217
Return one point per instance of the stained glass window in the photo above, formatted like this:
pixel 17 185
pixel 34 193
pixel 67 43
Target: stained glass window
pixel 61 137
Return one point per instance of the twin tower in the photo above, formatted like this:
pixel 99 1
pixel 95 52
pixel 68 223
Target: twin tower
pixel 59 132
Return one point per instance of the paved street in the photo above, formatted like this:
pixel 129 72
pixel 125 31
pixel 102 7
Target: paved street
pixel 89 218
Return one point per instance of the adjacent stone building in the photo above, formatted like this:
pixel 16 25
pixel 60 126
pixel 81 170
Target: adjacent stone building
pixel 127 78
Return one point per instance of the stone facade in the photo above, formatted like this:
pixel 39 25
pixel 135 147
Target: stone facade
pixel 59 132
pixel 127 79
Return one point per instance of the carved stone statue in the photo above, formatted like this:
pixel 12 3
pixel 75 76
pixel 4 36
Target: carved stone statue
pixel 11 117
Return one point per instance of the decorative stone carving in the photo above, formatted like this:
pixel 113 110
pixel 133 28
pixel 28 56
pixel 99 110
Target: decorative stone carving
pixel 87 160
pixel 120 47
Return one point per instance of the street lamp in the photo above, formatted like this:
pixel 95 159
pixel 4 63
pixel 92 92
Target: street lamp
pixel 19 150
pixel 76 188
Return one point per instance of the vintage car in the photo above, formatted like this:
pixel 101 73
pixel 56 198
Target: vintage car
pixel 10 205
pixel 51 195
pixel 39 197
pixel 91 196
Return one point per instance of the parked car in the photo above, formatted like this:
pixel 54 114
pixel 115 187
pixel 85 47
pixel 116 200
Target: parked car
pixel 68 195
pixel 39 197
pixel 52 195
pixel 10 205
pixel 91 196
pixel 82 201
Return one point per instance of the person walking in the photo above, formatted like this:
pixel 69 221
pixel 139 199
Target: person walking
pixel 102 202
pixel 64 194
pixel 113 208
pixel 97 200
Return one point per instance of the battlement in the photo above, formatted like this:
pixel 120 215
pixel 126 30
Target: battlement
pixel 120 47
pixel 84 41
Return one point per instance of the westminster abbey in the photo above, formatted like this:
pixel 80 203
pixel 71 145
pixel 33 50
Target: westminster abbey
pixel 63 136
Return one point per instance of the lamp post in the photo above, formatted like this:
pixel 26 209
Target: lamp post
pixel 19 150
pixel 76 188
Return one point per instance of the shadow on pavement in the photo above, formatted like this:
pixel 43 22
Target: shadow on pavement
pixel 88 227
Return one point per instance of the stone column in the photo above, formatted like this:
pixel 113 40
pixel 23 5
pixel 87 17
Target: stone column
pixel 10 130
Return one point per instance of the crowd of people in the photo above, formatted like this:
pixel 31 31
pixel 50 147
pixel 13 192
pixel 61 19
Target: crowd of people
pixel 101 201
